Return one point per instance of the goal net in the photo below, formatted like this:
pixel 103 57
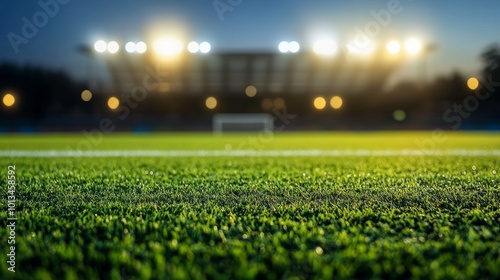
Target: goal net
pixel 242 122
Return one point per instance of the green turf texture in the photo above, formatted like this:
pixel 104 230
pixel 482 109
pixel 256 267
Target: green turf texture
pixel 254 141
pixel 259 217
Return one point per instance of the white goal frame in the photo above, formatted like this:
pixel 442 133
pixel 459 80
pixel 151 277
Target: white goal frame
pixel 219 120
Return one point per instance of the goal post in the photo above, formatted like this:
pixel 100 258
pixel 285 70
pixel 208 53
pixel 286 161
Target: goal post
pixel 242 122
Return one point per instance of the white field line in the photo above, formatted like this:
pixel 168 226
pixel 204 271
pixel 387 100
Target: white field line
pixel 241 153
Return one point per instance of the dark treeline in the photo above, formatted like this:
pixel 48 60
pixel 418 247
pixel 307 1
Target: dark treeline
pixel 445 101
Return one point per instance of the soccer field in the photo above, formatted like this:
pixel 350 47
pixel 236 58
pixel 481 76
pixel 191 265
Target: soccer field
pixel 276 206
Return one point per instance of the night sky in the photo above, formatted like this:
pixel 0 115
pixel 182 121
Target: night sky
pixel 460 29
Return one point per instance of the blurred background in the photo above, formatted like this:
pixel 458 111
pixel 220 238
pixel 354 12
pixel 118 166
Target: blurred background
pixel 308 65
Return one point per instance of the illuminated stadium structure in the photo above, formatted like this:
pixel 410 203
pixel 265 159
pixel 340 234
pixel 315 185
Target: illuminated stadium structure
pixel 195 69
pixel 190 81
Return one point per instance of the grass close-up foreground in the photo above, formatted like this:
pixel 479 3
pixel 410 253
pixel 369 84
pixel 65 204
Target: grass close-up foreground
pixel 282 206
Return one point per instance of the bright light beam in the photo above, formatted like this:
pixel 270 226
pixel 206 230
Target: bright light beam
pixel 131 47
pixel 205 47
pixel 361 48
pixel 193 47
pixel 326 47
pixel 413 46
pixel 168 47
pixel 113 47
pixel 141 47
pixel 294 47
pixel 100 46
pixel 284 47
pixel 393 47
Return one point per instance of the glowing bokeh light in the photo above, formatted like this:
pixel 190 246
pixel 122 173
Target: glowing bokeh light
pixel 399 115
pixel 168 47
pixel 336 102
pixel 211 103
pixel 141 47
pixel 193 47
pixel 294 47
pixel 266 104
pixel 113 47
pixel 8 100
pixel 131 47
pixel 279 103
pixel 86 95
pixel 325 47
pixel 413 46
pixel 473 83
pixel 284 47
pixel 205 47
pixel 251 91
pixel 113 103
pixel 393 47
pixel 319 103
pixel 100 46
pixel 364 48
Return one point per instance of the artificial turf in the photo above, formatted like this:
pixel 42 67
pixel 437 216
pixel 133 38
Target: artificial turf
pixel 255 217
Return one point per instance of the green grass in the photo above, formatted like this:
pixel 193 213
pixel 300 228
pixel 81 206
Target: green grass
pixel 273 217
pixel 278 141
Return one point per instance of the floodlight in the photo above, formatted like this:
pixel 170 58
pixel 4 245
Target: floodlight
pixel 131 47
pixel 193 47
pixel 294 47
pixel 205 47
pixel 393 47
pixel 113 47
pixel 413 46
pixel 325 47
pixel 361 48
pixel 100 46
pixel 168 47
pixel 284 47
pixel 141 47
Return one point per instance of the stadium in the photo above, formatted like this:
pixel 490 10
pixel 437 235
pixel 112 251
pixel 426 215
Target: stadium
pixel 250 140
